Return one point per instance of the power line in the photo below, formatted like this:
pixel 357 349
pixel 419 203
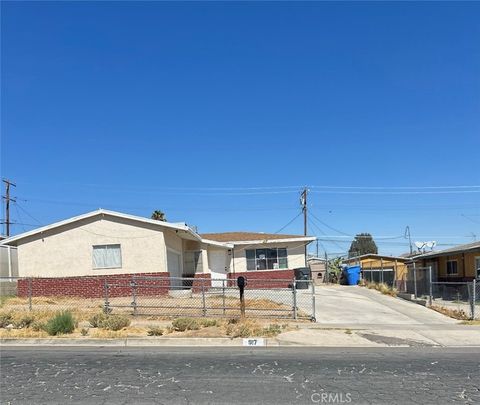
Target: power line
pixel 290 222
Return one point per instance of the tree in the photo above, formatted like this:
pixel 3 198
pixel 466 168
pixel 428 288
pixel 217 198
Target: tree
pixel 158 215
pixel 362 245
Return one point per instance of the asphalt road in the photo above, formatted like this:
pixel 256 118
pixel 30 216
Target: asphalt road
pixel 240 376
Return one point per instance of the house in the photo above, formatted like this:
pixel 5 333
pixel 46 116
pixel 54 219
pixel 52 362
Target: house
pixel 377 268
pixel 459 263
pixel 76 255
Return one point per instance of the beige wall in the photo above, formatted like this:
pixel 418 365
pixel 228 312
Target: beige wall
pixel 295 254
pixel 67 251
pixel 463 271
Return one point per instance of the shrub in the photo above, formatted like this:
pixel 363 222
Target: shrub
pixel 61 323
pixel 272 330
pixel 37 326
pixel 183 324
pixel 23 321
pixel 5 319
pixel 97 320
pixel 154 331
pixel 208 322
pixel 84 331
pixel 115 322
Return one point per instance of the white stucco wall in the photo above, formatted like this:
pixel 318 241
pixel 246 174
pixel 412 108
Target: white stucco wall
pixel 67 251
pixel 295 255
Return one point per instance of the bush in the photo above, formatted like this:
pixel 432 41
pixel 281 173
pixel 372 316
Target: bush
pixel 37 326
pixel 183 324
pixel 84 331
pixel 208 322
pixel 154 331
pixel 61 323
pixel 272 330
pixel 5 319
pixel 97 320
pixel 24 321
pixel 115 322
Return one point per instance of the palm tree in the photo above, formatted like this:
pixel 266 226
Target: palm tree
pixel 158 215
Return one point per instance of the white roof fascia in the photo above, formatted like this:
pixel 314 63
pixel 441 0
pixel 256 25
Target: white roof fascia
pixel 225 245
pixel 270 241
pixel 95 213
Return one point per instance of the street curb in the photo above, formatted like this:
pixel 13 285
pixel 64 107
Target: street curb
pixel 135 342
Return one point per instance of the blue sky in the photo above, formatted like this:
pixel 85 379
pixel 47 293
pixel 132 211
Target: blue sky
pixel 186 106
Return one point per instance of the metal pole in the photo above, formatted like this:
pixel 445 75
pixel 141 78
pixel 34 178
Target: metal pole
pixel 381 265
pixel 327 277
pixel 30 293
pixel 203 298
pixel 431 286
pixel 223 295
pixel 294 291
pixel 133 286
pixel 474 297
pixel 106 308
pixel 415 280
pixel 314 317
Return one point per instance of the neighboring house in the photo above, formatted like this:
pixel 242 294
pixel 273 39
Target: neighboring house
pixel 381 269
pixel 459 263
pixel 318 269
pixel 105 244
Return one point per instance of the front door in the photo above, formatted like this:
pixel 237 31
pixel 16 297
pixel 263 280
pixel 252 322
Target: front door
pixel 174 268
pixel 218 266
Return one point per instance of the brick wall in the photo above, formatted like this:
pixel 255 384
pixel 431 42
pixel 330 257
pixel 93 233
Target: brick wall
pixel 265 279
pixel 197 284
pixel 94 286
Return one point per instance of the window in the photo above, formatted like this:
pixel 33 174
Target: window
pixel 266 259
pixel 107 257
pixel 451 267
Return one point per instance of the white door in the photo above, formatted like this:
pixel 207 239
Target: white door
pixel 217 261
pixel 174 268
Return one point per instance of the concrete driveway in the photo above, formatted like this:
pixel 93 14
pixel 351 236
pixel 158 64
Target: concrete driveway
pixel 352 305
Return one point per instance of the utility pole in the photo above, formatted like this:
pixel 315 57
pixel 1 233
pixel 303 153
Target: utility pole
pixel 407 234
pixel 303 202
pixel 7 198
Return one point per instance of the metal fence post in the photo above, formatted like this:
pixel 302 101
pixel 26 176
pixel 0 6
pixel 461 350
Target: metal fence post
pixel 431 286
pixel 30 294
pixel 473 298
pixel 133 286
pixel 314 315
pixel 106 308
pixel 203 298
pixel 327 276
pixel 223 296
pixel 294 291
pixel 414 280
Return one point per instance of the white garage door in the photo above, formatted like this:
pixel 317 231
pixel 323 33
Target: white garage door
pixel 174 268
pixel 217 260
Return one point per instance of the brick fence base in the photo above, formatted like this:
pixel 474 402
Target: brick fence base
pixel 94 286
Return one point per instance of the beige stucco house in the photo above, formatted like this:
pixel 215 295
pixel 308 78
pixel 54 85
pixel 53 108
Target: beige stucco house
pixel 107 243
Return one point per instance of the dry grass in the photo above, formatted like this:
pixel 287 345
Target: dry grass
pixel 452 313
pixel 475 322
pixel 382 288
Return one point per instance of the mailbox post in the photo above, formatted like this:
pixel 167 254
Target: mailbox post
pixel 241 283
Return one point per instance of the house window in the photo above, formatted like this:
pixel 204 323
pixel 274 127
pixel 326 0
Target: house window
pixel 451 267
pixel 266 259
pixel 107 257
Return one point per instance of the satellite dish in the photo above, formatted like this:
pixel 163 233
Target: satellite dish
pixel 420 245
pixel 431 244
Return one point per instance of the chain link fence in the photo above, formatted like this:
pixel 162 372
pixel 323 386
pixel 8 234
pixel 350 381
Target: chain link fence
pixel 461 296
pixel 145 295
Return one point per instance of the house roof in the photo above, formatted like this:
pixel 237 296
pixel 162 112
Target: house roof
pixel 456 249
pixel 375 256
pixel 101 212
pixel 240 238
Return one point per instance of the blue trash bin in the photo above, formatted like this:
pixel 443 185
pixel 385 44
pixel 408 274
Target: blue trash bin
pixel 353 274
